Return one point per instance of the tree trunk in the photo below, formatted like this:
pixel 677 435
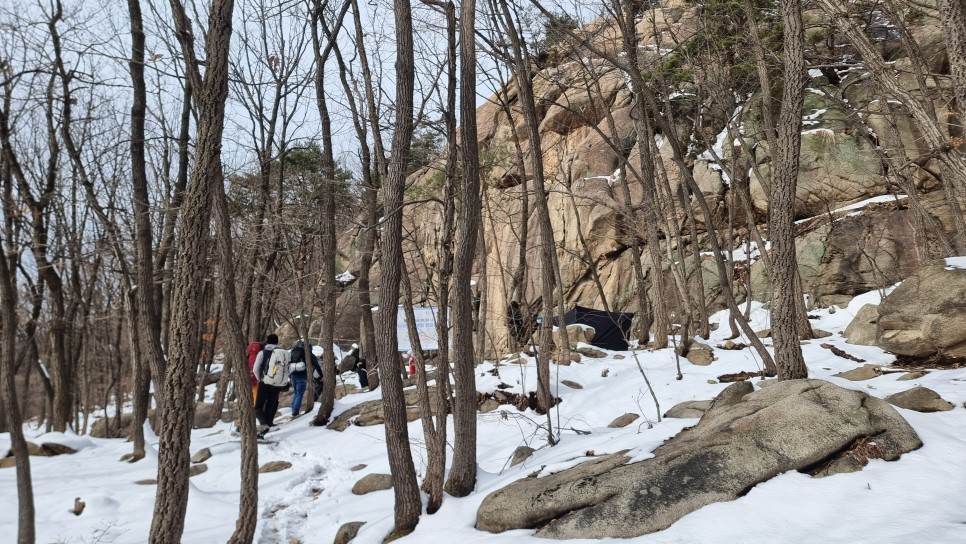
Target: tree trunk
pixel 952 13
pixel 177 410
pixel 434 425
pixel 8 352
pixel 375 170
pixel 521 74
pixel 784 311
pixel 236 360
pixel 328 211
pixel 148 318
pixel 405 487
pixel 462 476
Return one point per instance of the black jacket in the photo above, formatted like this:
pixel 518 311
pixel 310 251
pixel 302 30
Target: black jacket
pixel 298 355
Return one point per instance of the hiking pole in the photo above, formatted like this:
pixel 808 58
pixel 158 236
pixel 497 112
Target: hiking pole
pixel 345 391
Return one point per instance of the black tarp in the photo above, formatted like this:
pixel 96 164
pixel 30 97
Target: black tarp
pixel 611 328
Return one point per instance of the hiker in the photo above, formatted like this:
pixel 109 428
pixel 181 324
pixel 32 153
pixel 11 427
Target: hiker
pixel 514 322
pixel 271 370
pixel 299 375
pixel 362 372
pixel 357 364
pixel 317 376
pixel 253 350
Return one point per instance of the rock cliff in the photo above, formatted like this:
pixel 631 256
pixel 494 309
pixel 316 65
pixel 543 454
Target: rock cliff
pixel 588 140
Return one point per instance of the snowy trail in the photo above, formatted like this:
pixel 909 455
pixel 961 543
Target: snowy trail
pixel 918 498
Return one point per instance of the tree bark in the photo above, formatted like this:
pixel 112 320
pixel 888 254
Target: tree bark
pixel 405 488
pixel 177 410
pixel 522 76
pixel 462 476
pixel 328 209
pixel 784 311
pixel 13 421
pixel 236 364
pixel 952 13
pixel 148 318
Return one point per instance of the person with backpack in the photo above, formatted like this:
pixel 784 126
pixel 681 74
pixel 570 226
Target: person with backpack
pixel 299 373
pixel 272 371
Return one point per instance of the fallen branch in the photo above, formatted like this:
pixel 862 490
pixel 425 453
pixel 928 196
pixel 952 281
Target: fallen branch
pixel 841 353
pixel 742 376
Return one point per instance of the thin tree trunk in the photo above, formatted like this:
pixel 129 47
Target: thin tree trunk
pixel 406 489
pixel 8 348
pixel 147 317
pixel 462 476
pixel 521 74
pixel 373 175
pixel 235 357
pixel 784 311
pixel 328 209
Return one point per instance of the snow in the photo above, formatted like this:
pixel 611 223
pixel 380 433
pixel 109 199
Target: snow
pixel 955 262
pixel 858 206
pixel 345 277
pixel 918 498
pixel 812 118
pixel 745 251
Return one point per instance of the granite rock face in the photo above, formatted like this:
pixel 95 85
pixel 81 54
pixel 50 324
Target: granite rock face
pixel 791 425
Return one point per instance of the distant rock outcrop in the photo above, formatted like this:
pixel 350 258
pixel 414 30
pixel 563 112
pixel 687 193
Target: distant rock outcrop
pixel 589 143
pixel 791 425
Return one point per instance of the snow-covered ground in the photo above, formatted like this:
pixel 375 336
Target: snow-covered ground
pixel 919 498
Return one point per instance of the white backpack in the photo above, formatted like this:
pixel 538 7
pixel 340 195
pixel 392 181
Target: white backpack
pixel 276 372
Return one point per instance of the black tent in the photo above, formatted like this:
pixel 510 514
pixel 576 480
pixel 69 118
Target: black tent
pixel 612 328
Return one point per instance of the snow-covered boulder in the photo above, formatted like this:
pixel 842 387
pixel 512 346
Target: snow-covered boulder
pixel 792 425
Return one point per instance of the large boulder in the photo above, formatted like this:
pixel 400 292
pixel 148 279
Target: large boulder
pixel 926 315
pixel 106 427
pixel 855 251
pixel 575 333
pixel 371 412
pixel 863 328
pixel 372 482
pixel 920 399
pixel 792 425
pixel 689 409
pixel 347 532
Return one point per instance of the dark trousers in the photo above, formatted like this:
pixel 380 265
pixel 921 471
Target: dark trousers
pixel 266 403
pixel 317 382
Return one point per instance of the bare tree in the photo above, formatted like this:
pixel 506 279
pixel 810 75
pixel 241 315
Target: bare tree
pixel 522 77
pixel 9 262
pixel 149 319
pixel 462 476
pixel 788 141
pixel 405 487
pixel 328 203
pixel 177 410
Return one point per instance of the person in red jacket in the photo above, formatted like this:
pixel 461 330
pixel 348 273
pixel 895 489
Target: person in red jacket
pixel 253 350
